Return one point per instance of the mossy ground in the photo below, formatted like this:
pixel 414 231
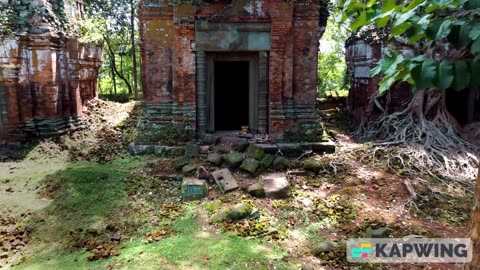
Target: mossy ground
pixel 75 209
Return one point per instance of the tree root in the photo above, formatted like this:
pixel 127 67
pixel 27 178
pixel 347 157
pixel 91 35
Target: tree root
pixel 425 138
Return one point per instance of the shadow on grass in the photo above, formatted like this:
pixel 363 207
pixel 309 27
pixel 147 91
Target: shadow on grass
pixel 92 196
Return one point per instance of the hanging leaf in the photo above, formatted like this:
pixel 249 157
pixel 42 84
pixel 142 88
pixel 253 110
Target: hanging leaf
pixel 473 4
pixel 400 29
pixel 383 19
pixel 475 48
pixel 464 35
pixel 445 75
pixel 413 5
pixel 386 83
pixel 424 74
pixel 359 22
pixel 462 75
pixel 444 30
pixel 475 32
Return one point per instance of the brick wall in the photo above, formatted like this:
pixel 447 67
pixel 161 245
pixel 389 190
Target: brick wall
pixel 361 57
pixel 169 58
pixel 46 81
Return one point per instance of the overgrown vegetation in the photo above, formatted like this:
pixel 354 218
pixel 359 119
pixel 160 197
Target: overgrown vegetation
pixel 332 67
pixel 435 46
pixel 114 24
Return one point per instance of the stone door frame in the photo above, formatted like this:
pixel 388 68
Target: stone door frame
pixel 258 88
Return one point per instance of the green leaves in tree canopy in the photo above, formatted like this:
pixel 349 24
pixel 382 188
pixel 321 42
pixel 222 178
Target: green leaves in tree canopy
pixel 444 34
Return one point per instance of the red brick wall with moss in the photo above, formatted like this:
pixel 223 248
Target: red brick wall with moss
pixel 169 58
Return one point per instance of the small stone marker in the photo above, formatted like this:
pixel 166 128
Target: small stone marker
pixel 194 189
pixel 224 180
pixel 276 185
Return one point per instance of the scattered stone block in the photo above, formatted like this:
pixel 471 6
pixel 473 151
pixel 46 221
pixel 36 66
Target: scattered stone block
pixel 323 147
pixel 204 149
pixel 291 149
pixel 189 168
pixel 240 211
pixel 224 179
pixel 255 152
pixel 202 173
pixel 250 165
pixel 315 165
pixel 256 190
pixel 175 151
pixel 383 232
pixel 180 162
pixel 208 139
pixel 240 147
pixel 267 161
pixel 280 163
pixel 138 149
pixel 276 186
pixel 215 159
pixel 159 150
pixel 323 247
pixel 220 216
pixel 233 159
pixel 213 205
pixel 194 189
pixel 192 150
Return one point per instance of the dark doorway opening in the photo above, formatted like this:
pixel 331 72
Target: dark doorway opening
pixel 231 88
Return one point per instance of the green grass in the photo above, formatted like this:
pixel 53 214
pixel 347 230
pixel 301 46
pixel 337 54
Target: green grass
pixel 89 195
pixel 85 195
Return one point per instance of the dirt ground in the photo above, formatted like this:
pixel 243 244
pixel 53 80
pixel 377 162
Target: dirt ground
pixel 82 202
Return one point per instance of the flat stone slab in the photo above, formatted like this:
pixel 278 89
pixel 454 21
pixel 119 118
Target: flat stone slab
pixel 225 180
pixel 194 189
pixel 296 149
pixel 276 185
pixel 140 149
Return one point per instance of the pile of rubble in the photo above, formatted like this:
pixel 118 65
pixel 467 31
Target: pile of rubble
pixel 14 236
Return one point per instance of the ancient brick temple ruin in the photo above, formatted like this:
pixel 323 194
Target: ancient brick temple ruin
pixel 363 51
pixel 46 75
pixel 220 65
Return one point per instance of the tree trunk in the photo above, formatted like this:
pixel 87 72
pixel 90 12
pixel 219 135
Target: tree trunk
pixel 114 81
pixel 111 53
pixel 475 229
pixel 134 57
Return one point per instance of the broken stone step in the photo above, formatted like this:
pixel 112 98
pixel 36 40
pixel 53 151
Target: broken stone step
pixel 224 179
pixel 276 186
pixel 194 189
pixel 296 149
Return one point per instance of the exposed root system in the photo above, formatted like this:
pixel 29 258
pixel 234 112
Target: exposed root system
pixel 424 137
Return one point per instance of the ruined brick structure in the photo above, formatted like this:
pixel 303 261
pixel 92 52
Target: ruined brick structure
pixel 362 55
pixel 46 76
pixel 223 64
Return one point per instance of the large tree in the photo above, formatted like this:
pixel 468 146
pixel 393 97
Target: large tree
pixel 435 46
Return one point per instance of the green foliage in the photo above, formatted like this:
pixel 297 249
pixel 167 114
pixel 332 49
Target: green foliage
pixel 332 68
pixel 110 23
pixel 16 17
pixel 443 39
